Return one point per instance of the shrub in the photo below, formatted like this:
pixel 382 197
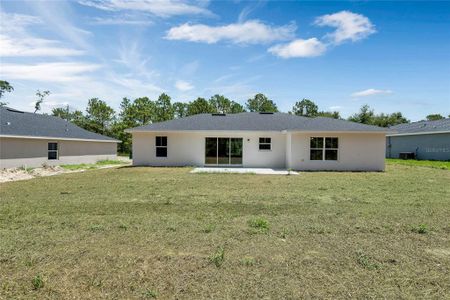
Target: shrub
pixel 218 257
pixel 37 282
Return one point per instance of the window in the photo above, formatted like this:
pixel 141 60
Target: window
pixel 323 148
pixel 265 143
pixel 52 151
pixel 161 146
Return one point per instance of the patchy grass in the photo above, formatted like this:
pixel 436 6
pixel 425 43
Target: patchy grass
pixel 97 165
pixel 259 224
pixel 444 165
pixel 133 233
pixel 218 257
pixel 421 229
pixel 37 282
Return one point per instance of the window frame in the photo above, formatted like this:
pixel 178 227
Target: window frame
pixel 324 148
pixel 265 143
pixel 53 151
pixel 161 146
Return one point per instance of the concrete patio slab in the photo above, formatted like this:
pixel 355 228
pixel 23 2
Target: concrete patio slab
pixel 259 171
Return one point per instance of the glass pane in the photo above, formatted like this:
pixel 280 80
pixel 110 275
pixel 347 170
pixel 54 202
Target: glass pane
pixel 316 155
pixel 264 146
pixel 316 142
pixel 52 155
pixel 331 143
pixel 211 151
pixel 223 151
pixel 52 146
pixel 161 152
pixel 161 141
pixel 236 151
pixel 264 140
pixel 331 154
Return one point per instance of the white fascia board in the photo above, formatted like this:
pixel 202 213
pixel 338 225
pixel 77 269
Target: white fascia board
pixel 419 133
pixel 249 131
pixel 56 138
pixel 199 131
pixel 336 131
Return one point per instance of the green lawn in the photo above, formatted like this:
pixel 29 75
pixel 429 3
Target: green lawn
pixel 136 233
pixel 445 165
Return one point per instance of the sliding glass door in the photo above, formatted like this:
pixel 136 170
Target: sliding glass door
pixel 223 151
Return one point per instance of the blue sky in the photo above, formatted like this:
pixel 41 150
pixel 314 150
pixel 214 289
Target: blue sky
pixel 394 56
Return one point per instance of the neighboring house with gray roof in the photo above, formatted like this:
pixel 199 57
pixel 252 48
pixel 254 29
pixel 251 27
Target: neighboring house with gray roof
pixel 31 140
pixel 427 140
pixel 267 140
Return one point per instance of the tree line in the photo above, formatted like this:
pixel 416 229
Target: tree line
pixel 101 118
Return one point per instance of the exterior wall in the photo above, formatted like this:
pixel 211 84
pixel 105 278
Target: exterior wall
pixel 188 149
pixel 357 152
pixel 427 146
pixel 18 152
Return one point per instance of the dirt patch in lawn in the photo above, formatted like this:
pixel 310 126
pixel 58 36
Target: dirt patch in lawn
pixel 16 174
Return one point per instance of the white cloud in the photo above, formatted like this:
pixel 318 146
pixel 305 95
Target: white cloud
pixel 53 104
pixel 183 86
pixel 16 41
pixel 29 46
pixel 160 8
pixel 249 32
pixel 371 92
pixel 349 26
pixel 59 17
pixel 17 22
pixel 135 84
pixel 299 48
pixel 337 107
pixel 48 72
pixel 121 20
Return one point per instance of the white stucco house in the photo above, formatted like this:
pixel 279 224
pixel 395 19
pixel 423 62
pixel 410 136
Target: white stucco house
pixel 31 140
pixel 260 140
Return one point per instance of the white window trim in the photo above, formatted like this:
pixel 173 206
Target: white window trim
pixel 324 148
pixel 57 150
pixel 270 144
pixel 166 146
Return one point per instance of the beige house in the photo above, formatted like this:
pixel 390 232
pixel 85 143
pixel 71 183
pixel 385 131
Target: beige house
pixel 31 140
pixel 265 140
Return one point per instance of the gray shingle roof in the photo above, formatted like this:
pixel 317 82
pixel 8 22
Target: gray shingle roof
pixel 423 126
pixel 250 121
pixel 18 123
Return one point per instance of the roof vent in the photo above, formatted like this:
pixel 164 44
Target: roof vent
pixel 218 114
pixel 8 123
pixel 265 113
